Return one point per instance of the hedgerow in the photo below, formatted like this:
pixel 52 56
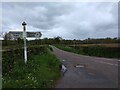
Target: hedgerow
pixel 41 70
pixel 100 51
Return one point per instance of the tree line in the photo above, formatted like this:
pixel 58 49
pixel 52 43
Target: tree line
pixel 59 40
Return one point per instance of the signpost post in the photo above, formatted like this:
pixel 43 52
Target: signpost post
pixel 24 35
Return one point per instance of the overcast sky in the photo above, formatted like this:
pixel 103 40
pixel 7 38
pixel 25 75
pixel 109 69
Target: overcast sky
pixel 67 20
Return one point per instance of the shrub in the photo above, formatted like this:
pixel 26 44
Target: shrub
pixel 41 70
pixel 11 57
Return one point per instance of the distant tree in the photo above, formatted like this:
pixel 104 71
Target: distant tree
pixel 7 36
pixel 57 39
pixel 46 40
pixel 5 42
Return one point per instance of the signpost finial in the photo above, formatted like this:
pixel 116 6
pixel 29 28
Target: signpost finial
pixel 24 24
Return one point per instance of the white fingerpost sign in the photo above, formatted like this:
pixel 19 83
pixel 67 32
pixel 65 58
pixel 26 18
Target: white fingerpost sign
pixel 24 36
pixel 38 35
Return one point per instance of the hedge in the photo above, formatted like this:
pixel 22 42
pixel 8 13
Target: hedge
pixel 11 57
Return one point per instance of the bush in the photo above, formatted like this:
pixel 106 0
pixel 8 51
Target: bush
pixel 100 51
pixel 11 57
pixel 41 70
pixel 51 49
pixel 109 52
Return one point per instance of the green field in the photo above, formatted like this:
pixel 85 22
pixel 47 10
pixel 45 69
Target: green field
pixel 93 50
pixel 41 70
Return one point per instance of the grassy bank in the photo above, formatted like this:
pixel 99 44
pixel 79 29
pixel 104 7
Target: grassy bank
pixel 100 51
pixel 41 70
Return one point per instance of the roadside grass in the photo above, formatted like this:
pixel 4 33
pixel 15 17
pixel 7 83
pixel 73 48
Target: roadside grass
pixel 100 51
pixel 41 71
pixel 103 45
pixel 67 48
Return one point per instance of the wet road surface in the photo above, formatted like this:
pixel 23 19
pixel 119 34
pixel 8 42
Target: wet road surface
pixel 86 71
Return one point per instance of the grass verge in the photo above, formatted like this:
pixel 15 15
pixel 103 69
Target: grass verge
pixel 99 51
pixel 41 71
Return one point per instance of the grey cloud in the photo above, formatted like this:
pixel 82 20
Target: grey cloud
pixel 39 15
pixel 69 20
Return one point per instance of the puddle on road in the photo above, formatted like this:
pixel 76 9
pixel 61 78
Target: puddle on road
pixel 91 74
pixel 63 60
pixel 80 66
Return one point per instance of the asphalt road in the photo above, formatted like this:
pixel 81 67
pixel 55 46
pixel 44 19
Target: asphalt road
pixel 86 71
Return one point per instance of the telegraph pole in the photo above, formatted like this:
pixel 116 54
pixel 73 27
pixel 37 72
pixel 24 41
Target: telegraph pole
pixel 24 36
pixel 74 43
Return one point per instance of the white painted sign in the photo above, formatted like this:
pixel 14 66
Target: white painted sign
pixel 17 34
pixel 34 34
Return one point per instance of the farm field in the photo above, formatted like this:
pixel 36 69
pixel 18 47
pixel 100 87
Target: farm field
pixel 99 50
pixel 105 45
